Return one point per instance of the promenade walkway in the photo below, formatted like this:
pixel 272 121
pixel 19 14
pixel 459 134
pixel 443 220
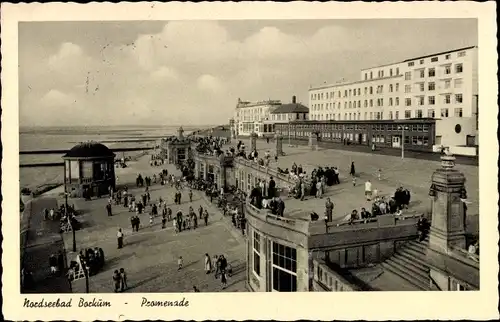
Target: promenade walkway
pixel 43 239
pixel 413 174
pixel 150 255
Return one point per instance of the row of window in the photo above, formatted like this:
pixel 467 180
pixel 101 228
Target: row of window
pixel 324 128
pixel 288 116
pixel 431 72
pixel 376 138
pixel 368 90
pixel 457 112
pixel 392 72
pixel 436 59
pixel 432 100
pixel 420 100
pixel 431 86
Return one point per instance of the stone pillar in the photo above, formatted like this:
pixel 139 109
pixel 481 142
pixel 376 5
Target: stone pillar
pixel 253 141
pixel 313 141
pixel 279 144
pixel 205 171
pixel 196 169
pixel 223 176
pixel 448 220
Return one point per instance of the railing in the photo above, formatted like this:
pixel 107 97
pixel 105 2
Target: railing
pixel 267 170
pixel 462 254
pixel 299 224
pixel 330 280
pixel 376 220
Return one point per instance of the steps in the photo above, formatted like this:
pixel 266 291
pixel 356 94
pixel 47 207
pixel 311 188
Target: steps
pixel 409 264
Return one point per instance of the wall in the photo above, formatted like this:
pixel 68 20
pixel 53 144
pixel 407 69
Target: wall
pixel 327 280
pixel 352 246
pixel 453 266
pixel 271 230
pixel 246 168
pixel 446 129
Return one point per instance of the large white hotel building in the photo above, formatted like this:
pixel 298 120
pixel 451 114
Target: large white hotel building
pixel 442 86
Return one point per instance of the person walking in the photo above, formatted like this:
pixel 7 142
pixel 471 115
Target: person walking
pixel 190 195
pixel 119 237
pixel 163 221
pixel 200 211
pixel 116 280
pixel 329 209
pixel 271 188
pixel 176 226
pixel 223 279
pixel 123 280
pixel 353 169
pixel 208 264
pixel 205 217
pixel 53 264
pixel 368 190
pixel 108 209
pixel 180 262
pixel 217 261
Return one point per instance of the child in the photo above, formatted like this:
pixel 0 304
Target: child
pixel 151 219
pixel 379 174
pixel 223 279
pixel 179 263
pixel 353 181
pixel 163 221
pixel 123 279
pixel 176 227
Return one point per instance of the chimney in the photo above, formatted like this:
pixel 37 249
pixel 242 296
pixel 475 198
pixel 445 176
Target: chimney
pixel 294 99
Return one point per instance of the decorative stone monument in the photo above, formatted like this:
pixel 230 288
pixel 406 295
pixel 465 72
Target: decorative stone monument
pixel 448 216
pixel 279 144
pixel 180 133
pixel 253 141
pixel 313 141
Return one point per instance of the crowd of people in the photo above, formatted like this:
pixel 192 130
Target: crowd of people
pixel 89 261
pixel 314 185
pixel 381 205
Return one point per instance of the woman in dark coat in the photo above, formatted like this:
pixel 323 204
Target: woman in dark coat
pixel 353 170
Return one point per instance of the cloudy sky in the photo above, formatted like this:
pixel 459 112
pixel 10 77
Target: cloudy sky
pixel 193 72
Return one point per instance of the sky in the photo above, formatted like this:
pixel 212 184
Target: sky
pixel 193 72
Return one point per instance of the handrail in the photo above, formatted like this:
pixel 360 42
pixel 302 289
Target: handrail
pixel 464 253
pixel 264 214
pixel 375 219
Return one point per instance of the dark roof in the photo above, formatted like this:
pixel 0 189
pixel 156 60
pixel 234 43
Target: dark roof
pixel 89 150
pixel 291 108
pixel 440 53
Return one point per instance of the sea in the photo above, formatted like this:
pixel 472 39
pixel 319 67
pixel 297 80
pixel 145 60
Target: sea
pixel 52 138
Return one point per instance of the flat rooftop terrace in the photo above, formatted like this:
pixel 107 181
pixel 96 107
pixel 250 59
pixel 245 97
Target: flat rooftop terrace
pixel 413 174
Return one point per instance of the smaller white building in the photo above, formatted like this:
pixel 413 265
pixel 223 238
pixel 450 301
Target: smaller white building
pixel 290 112
pixel 253 117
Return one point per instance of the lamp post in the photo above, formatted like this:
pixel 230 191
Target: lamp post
pixel 70 221
pixel 289 130
pixel 326 223
pixel 403 128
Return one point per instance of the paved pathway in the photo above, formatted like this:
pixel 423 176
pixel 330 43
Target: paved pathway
pixel 150 255
pixel 43 240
